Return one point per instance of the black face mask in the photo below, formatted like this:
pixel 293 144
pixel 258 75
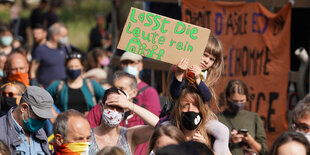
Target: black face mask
pixel 235 107
pixel 8 103
pixel 73 74
pixel 191 120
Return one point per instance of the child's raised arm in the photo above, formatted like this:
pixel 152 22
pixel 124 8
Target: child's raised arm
pixel 181 68
pixel 196 70
pixel 178 81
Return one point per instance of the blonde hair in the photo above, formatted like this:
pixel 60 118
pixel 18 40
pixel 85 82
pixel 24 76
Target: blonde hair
pixel 207 114
pixel 111 150
pixel 166 130
pixel 16 84
pixel 215 48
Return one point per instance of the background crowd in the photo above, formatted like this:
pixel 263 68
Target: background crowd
pixel 56 99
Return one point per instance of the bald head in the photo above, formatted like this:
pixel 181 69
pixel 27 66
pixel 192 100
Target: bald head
pixel 71 127
pixel 78 130
pixel 17 62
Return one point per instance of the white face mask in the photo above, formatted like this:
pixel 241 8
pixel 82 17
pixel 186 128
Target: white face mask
pixel 64 40
pixel 152 153
pixel 112 118
pixel 132 70
pixel 307 135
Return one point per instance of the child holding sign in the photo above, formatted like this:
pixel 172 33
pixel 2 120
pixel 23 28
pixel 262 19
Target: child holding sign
pixel 204 77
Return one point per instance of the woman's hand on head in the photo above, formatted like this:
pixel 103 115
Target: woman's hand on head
pixel 119 100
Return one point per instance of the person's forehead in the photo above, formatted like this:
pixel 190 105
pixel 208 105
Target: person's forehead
pixel 100 18
pixel 122 82
pixel 74 61
pixel 206 53
pixel 18 60
pixel 292 147
pixel 6 33
pixel 237 96
pixel 188 98
pixel 127 61
pixel 10 88
pixel 38 30
pixel 63 31
pixel 78 125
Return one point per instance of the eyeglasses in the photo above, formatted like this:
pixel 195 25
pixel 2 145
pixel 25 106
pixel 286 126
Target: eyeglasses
pixel 10 94
pixel 123 92
pixel 301 127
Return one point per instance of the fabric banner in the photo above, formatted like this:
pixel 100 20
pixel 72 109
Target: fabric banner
pixel 256 50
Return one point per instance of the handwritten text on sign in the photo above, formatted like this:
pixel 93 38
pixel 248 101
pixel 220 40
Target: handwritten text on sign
pixel 162 38
pixel 257 51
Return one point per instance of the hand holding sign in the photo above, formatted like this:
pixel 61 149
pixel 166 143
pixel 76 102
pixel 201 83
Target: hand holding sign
pixel 182 64
pixel 162 38
pixel 196 73
pixel 181 68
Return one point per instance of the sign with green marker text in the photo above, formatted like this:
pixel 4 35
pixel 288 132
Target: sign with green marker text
pixel 162 38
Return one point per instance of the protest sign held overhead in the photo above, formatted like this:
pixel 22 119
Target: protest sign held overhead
pixel 162 38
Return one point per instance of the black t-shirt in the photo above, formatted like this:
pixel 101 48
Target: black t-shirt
pixel 51 18
pixel 19 27
pixel 76 100
pixel 36 17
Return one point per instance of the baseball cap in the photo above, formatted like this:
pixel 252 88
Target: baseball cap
pixel 97 73
pixel 131 56
pixel 40 101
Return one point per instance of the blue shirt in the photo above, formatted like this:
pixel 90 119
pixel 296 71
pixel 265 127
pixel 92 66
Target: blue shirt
pixel 25 148
pixel 52 64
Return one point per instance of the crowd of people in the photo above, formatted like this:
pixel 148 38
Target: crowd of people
pixel 56 99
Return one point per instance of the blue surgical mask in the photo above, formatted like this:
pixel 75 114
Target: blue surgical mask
pixel 1 73
pixel 6 40
pixel 33 125
pixel 73 74
pixel 132 70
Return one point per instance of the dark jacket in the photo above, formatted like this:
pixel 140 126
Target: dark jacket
pixel 12 139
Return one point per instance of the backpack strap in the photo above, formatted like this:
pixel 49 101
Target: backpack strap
pixel 90 87
pixel 142 89
pixel 60 86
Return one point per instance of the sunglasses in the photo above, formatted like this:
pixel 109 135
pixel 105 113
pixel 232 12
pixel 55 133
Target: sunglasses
pixel 74 56
pixel 10 94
